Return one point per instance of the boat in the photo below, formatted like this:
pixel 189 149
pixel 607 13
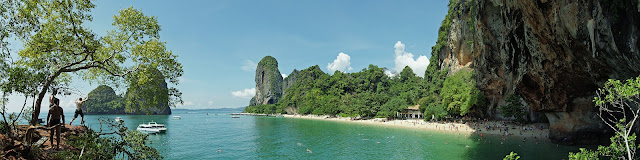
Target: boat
pixel 151 128
pixel 235 116
pixel 280 116
pixel 118 119
pixel 177 117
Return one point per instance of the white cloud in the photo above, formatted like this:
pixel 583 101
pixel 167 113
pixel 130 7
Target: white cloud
pixel 389 73
pixel 246 93
pixel 249 65
pixel 341 63
pixel 210 103
pixel 186 103
pixel 71 104
pixel 284 75
pixel 403 58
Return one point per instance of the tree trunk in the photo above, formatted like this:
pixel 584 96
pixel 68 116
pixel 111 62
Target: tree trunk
pixel 45 87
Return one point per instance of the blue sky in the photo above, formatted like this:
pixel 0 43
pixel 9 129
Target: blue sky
pixel 220 42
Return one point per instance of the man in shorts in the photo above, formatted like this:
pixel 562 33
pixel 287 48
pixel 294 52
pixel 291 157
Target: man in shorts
pixel 53 119
pixel 79 103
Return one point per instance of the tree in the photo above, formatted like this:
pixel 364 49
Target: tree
pixel 459 93
pixel 618 108
pixel 389 109
pixel 120 143
pixel 618 105
pixel 57 43
pixel 19 81
pixel 514 108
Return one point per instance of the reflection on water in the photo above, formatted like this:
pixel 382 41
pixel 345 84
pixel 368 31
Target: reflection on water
pixel 199 135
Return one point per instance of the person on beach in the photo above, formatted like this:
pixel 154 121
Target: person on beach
pixel 79 103
pixel 53 120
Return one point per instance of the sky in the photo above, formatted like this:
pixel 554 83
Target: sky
pixel 219 43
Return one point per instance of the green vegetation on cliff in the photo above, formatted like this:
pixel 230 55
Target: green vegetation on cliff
pixel 139 99
pixel 371 93
pixel 104 100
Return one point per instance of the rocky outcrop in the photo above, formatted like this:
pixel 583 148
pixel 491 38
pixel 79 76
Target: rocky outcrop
pixel 103 99
pixel 268 82
pixel 288 82
pixel 160 96
pixel 553 53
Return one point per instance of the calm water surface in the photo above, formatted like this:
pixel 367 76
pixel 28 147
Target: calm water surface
pixel 199 136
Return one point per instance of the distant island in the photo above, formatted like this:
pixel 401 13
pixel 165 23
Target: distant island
pixel 104 100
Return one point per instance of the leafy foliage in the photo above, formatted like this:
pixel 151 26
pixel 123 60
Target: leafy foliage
pixel 459 93
pixel 514 108
pixel 147 93
pixel 139 99
pixel 104 100
pixel 512 156
pixel 120 143
pixel 617 103
pixel 371 93
pixel 57 43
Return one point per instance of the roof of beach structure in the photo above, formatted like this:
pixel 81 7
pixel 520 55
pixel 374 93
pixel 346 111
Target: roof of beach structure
pixel 416 107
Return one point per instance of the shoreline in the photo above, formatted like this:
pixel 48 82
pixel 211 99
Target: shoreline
pixel 497 128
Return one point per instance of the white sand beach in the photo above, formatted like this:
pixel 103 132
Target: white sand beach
pixel 500 128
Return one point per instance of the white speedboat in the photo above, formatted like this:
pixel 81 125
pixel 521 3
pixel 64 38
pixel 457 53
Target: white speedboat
pixel 152 127
pixel 118 119
pixel 177 117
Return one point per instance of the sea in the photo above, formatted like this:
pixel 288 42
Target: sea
pixel 214 134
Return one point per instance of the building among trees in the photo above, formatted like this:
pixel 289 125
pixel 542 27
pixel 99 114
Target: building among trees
pixel 411 112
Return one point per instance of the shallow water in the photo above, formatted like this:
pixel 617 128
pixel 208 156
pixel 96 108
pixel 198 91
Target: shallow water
pixel 199 136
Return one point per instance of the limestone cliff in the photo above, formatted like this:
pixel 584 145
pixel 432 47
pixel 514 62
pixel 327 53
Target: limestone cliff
pixel 268 82
pixel 139 99
pixel 553 53
pixel 103 100
pixel 288 82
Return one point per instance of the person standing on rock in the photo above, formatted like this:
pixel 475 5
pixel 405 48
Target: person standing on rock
pixel 79 103
pixel 53 120
pixel 52 97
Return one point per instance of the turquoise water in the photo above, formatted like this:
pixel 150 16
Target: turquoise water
pixel 199 136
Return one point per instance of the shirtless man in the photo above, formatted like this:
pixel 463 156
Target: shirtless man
pixel 52 97
pixel 53 118
pixel 79 103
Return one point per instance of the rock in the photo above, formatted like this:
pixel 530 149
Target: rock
pixel 161 96
pixel 103 99
pixel 268 82
pixel 288 82
pixel 553 53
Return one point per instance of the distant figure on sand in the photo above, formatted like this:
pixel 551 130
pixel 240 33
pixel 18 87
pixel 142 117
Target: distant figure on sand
pixel 79 103
pixel 53 119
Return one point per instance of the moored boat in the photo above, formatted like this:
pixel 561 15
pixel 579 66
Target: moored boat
pixel 152 127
